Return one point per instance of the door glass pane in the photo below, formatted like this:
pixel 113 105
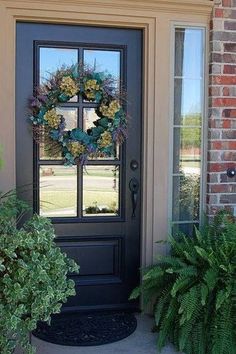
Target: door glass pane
pixel 58 191
pixel 52 59
pixel 104 60
pixel 51 150
pixel 70 115
pixel 89 116
pixel 48 149
pixel 101 190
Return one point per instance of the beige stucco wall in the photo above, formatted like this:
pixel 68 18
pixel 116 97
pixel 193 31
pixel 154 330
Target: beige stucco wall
pixel 156 18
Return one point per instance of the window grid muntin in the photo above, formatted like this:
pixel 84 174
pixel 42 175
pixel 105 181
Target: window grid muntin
pixel 203 112
pixel 80 105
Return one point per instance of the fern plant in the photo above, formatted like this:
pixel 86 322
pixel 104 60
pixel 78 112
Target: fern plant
pixel 194 290
pixel 33 274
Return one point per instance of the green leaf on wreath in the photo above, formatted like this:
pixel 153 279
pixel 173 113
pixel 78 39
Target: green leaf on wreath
pixel 97 131
pixel 54 134
pixel 79 135
pixel 75 72
pixel 63 98
pixel 102 122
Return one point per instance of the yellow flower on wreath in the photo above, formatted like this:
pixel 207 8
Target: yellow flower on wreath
pixel 90 87
pixel 76 148
pixel 105 139
pixel 111 110
pixel 69 86
pixel 52 118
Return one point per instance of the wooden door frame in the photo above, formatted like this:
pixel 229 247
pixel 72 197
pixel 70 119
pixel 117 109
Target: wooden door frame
pixel 155 18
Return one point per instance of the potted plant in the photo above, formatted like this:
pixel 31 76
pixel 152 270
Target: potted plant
pixel 33 274
pixel 194 290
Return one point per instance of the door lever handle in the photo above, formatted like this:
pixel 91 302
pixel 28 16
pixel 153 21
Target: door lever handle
pixel 134 188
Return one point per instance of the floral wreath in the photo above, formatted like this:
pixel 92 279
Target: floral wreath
pixel 49 127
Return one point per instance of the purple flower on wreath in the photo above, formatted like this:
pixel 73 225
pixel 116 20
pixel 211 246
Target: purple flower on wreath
pixel 119 134
pixel 82 158
pixel 91 149
pixel 62 126
pixel 37 101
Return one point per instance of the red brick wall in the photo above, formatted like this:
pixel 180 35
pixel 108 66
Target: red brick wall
pixel 221 190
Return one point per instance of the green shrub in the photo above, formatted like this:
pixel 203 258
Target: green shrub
pixel 33 274
pixel 194 290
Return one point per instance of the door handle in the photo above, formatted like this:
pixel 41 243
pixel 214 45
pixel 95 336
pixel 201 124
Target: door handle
pixel 134 188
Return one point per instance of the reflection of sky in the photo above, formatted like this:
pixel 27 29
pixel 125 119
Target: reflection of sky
pixel 108 61
pixel 191 96
pixel 53 58
pixel 192 70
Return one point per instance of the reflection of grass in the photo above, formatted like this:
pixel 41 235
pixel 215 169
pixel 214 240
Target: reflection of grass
pixel 190 161
pixel 99 173
pixel 54 200
pixel 105 198
pixel 190 164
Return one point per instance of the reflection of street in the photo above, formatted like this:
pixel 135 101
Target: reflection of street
pixel 54 183
pixel 95 183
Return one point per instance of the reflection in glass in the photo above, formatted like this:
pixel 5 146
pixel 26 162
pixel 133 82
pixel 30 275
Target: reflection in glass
pixel 89 117
pixel 52 59
pixel 58 191
pixel 100 190
pixel 189 52
pixel 187 229
pixel 187 150
pixel 186 197
pixel 188 102
pixel 48 148
pixel 49 152
pixel 70 115
pixel 187 129
pixel 104 60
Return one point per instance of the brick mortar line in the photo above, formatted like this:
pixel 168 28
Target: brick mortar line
pixel 222 204
pixel 220 184
pixel 220 63
pixel 214 173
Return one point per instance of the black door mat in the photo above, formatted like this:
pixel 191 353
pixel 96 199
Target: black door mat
pixel 79 329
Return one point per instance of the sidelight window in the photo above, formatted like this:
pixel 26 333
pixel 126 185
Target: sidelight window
pixel 187 132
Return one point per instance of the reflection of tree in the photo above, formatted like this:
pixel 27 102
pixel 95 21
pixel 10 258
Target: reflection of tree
pixel 189 196
pixel 191 137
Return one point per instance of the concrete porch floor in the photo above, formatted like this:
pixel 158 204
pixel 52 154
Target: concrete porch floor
pixel 142 341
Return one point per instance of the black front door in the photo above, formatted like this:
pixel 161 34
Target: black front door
pixel 92 206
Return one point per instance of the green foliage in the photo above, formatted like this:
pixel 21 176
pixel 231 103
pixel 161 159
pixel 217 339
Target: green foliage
pixel 194 290
pixel 33 274
pixel 189 196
